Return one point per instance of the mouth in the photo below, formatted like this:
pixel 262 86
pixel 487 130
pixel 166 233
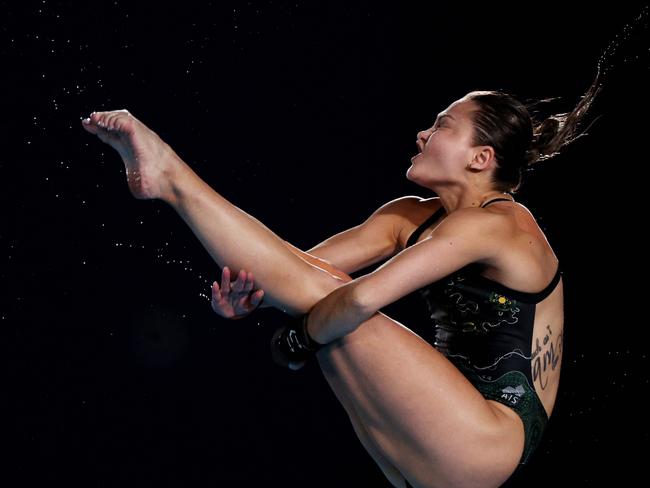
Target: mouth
pixel 416 156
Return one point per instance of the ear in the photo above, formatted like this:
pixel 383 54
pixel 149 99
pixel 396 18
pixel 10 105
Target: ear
pixel 483 158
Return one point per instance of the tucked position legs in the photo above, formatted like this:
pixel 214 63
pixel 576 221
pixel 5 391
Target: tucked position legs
pixel 421 416
pixel 293 280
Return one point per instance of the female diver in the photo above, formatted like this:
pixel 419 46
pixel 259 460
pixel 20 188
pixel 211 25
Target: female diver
pixel 467 408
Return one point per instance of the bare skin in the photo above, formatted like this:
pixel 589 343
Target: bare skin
pixel 160 174
pixel 412 409
pixel 155 171
pixel 235 300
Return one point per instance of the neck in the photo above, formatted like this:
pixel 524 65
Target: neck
pixel 453 199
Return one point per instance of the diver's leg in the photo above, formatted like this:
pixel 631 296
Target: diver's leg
pixel 231 236
pixel 424 415
pixel 155 171
pixel 390 471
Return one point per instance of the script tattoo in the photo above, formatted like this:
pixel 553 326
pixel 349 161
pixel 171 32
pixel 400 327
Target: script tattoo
pixel 546 356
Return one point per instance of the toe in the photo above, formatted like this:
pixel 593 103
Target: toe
pixel 90 123
pixel 93 129
pixel 96 117
pixel 110 121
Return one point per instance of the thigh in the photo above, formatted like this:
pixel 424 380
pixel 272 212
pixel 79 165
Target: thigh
pixel 425 416
pixel 389 470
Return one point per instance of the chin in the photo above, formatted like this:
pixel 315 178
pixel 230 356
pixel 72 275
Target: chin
pixel 414 178
pixel 414 172
pixel 408 174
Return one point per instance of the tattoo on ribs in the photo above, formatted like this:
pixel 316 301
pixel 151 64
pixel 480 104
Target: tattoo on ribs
pixel 546 356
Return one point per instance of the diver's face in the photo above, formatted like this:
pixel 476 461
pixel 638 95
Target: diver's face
pixel 445 147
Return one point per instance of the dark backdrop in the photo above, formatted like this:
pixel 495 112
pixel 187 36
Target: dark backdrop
pixel 116 372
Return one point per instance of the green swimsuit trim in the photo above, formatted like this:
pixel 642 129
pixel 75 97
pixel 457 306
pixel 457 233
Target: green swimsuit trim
pixel 513 390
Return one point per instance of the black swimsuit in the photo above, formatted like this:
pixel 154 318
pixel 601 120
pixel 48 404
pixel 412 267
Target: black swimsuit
pixel 486 329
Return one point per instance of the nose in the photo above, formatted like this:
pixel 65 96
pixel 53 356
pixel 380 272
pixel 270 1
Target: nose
pixel 422 138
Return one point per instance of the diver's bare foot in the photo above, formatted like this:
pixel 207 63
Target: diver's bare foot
pixel 148 159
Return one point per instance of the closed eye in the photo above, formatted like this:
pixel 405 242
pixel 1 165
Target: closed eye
pixel 440 120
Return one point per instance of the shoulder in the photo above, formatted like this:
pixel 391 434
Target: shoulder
pixel 407 212
pixel 477 228
pixel 411 209
pixel 478 221
pixel 408 202
pixel 406 209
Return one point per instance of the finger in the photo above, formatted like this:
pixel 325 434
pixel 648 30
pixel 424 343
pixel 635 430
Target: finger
pixel 244 304
pixel 238 285
pixel 216 293
pixel 256 297
pixel 249 282
pixel 219 305
pixel 243 278
pixel 214 302
pixel 225 282
pixel 214 305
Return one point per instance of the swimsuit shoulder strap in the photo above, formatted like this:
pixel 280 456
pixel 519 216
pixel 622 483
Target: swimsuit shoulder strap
pixel 416 233
pixel 525 297
pixel 496 200
pixel 436 215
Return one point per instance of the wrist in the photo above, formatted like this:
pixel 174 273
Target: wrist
pixel 310 342
pixel 292 343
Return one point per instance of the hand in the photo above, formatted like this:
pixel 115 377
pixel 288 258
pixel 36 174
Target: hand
pixel 235 300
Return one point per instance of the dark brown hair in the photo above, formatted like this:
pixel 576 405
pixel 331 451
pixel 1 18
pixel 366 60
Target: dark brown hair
pixel 519 141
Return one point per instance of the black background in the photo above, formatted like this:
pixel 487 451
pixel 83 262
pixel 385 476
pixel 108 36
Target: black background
pixel 116 372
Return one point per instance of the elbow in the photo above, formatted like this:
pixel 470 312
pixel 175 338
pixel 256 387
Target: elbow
pixel 360 302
